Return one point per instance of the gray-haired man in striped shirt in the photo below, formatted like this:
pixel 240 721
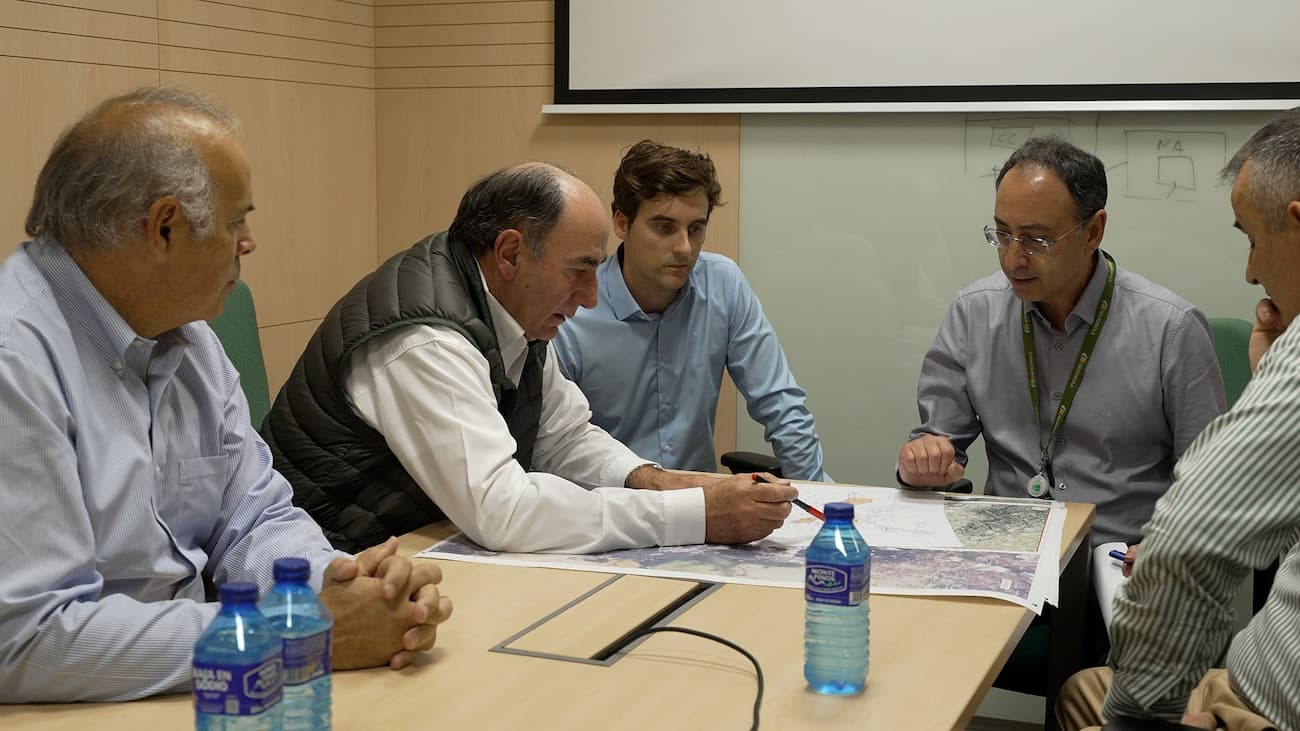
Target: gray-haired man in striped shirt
pixel 1234 506
pixel 131 475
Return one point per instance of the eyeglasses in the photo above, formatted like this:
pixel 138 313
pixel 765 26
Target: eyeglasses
pixel 1033 245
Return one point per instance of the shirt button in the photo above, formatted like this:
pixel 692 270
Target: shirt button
pixel 157 471
pixel 1060 441
pixel 117 365
pixel 1056 396
pixel 1059 345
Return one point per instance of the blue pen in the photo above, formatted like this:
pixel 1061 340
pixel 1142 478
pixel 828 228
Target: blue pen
pixel 1118 555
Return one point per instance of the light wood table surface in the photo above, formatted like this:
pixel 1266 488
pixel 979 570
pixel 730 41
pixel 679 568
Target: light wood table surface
pixel 932 660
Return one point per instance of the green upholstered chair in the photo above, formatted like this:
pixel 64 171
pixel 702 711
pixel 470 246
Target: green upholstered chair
pixel 237 329
pixel 1026 669
pixel 1232 346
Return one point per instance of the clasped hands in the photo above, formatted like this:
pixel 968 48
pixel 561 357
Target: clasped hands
pixel 386 607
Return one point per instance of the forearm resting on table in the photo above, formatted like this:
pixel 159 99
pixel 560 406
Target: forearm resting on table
pixel 653 477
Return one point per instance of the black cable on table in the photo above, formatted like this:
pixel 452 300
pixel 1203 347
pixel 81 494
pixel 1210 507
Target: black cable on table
pixel 758 671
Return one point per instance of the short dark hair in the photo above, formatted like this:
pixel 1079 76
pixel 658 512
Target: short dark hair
pixel 650 170
pixel 1083 174
pixel 528 198
pixel 1274 156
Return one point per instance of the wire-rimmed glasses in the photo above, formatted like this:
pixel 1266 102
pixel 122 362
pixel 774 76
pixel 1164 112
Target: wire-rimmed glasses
pixel 1033 245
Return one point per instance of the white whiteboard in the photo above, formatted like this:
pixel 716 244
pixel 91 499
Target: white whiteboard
pixel 931 51
pixel 857 231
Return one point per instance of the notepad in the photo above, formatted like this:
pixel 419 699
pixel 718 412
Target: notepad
pixel 1107 577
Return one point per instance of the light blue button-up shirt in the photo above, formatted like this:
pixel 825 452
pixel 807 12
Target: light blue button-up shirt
pixel 130 475
pixel 653 380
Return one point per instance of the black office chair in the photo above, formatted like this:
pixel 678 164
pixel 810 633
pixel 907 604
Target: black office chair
pixel 739 462
pixel 963 485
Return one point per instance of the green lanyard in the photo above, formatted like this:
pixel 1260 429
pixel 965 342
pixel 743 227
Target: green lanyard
pixel 1076 375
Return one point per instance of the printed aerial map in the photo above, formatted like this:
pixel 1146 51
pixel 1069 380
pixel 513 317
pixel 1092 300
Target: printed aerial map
pixel 921 543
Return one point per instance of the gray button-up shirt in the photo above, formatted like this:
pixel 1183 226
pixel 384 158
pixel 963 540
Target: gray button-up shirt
pixel 1152 384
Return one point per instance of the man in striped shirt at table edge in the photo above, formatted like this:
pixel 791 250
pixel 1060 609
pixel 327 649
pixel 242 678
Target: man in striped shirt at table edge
pixel 1234 506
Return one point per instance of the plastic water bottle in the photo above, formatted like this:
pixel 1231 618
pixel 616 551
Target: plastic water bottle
pixel 237 667
pixel 304 625
pixel 837 628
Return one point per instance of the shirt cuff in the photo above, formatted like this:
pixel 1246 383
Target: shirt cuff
pixel 616 470
pixel 318 565
pixel 683 516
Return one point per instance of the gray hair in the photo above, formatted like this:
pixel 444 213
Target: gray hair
pixel 528 198
pixel 1083 174
pixel 1274 156
pixel 107 169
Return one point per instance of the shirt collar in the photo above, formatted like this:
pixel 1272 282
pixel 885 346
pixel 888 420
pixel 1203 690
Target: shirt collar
pixel 1086 308
pixel 613 289
pixel 103 327
pixel 510 335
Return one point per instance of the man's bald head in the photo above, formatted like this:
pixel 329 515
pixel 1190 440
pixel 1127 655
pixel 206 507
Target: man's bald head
pixel 529 198
pixel 107 169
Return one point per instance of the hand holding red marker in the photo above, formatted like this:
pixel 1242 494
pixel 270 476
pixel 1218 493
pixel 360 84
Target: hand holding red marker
pixel 814 512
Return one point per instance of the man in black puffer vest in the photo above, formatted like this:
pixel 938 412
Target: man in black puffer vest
pixel 427 392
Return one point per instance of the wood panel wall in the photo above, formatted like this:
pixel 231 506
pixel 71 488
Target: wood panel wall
pixel 299 73
pixel 365 121
pixel 459 92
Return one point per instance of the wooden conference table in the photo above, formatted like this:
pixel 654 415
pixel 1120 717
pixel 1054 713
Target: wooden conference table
pixel 932 659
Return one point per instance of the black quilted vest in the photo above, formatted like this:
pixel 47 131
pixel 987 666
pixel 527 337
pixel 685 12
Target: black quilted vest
pixel 342 471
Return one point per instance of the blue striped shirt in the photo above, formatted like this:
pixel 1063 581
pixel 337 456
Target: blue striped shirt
pixel 130 475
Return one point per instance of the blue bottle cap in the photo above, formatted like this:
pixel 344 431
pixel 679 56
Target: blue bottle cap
pixel 291 569
pixel 238 592
pixel 838 511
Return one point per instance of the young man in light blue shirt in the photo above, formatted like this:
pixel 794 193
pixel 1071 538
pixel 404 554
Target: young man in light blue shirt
pixel 669 319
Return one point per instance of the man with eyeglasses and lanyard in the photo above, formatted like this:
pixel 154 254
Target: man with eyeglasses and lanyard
pixel 1120 372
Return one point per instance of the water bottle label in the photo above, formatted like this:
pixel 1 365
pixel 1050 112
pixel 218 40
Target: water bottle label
pixel 306 658
pixel 826 583
pixel 237 690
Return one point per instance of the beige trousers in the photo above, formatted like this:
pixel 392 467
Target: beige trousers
pixel 1079 704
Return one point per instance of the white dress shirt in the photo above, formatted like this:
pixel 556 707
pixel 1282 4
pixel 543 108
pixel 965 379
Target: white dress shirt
pixel 428 391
